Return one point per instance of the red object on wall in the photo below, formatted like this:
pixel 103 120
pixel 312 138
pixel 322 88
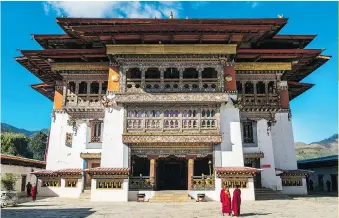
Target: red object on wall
pixel 266 166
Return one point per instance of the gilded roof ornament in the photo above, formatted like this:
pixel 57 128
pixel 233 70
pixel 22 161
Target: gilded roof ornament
pixel 171 15
pixel 281 16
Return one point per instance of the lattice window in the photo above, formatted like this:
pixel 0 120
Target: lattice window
pixel 96 131
pixel 109 184
pixel 248 132
pixel 51 182
pixel 233 182
pixel 71 183
pixel 291 181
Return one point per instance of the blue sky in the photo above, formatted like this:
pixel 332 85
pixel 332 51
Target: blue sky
pixel 314 114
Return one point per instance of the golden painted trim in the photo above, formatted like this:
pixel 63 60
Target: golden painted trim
pixel 263 66
pixel 79 66
pixel 173 49
pixel 90 155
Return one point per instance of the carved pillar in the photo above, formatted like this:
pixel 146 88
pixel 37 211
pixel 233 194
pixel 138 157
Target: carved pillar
pixel 284 98
pixel 229 79
pixel 152 168
pixel 100 89
pixel 200 69
pixel 143 72
pixel 162 79
pixel 88 92
pixel 181 77
pixel 76 92
pixel 190 172
pixel 255 91
pixel 266 90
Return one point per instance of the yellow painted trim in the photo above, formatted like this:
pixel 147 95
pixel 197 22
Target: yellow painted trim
pixel 113 85
pixel 79 66
pixel 263 66
pixel 173 49
pixel 57 100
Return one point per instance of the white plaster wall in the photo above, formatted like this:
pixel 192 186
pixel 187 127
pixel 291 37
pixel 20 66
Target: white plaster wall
pixel 295 190
pixel 18 171
pixel 132 195
pixel 231 145
pixel 113 150
pixel 118 195
pixel 283 143
pixel 61 156
pixel 61 191
pixel 210 195
pixel 268 177
pixel 326 171
pixel 217 155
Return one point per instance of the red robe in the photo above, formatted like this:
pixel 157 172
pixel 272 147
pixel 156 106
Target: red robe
pixel 236 202
pixel 33 192
pixel 225 200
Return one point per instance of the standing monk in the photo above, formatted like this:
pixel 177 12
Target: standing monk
pixel 29 187
pixel 33 192
pixel 236 201
pixel 225 199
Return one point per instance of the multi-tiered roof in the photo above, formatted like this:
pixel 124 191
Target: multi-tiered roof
pixel 257 40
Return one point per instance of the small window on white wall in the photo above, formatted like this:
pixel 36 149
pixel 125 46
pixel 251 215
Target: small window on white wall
pixel 96 131
pixel 249 130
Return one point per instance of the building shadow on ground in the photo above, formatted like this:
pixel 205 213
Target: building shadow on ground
pixel 50 213
pixel 254 214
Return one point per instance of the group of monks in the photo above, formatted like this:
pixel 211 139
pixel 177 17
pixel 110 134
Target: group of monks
pixel 227 205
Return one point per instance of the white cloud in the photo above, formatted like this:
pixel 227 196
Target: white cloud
pixel 254 4
pixel 113 9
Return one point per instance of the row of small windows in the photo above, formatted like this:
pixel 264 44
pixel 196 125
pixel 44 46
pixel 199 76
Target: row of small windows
pixel 260 87
pixel 172 73
pixel 93 89
pixel 153 124
pixel 172 113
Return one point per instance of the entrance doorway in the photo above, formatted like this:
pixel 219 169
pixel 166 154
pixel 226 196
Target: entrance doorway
pixel 334 182
pixel 257 179
pixel 171 174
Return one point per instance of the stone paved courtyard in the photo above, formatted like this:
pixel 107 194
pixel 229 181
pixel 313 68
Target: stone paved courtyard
pixel 307 207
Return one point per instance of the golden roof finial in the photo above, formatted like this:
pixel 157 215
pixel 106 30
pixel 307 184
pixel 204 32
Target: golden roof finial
pixel 171 15
pixel 281 16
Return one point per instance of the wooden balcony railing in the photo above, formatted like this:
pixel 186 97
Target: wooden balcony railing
pixel 203 183
pixel 173 85
pixel 83 100
pixel 141 183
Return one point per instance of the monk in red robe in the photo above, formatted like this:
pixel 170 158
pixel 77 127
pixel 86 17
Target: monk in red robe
pixel 236 201
pixel 225 199
pixel 33 192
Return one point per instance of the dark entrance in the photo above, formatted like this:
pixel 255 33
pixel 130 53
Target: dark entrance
pixel 172 174
pixel 255 164
pixel 334 182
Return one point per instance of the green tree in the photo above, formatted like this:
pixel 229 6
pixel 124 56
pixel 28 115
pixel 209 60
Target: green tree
pixel 15 144
pixel 37 145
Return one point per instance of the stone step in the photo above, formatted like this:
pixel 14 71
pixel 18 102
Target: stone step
pixel 170 201
pixel 269 194
pixel 171 196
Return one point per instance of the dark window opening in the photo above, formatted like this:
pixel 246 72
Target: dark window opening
pixel 104 88
pixel 190 73
pixel 171 73
pixel 152 73
pixel 249 89
pixel 239 87
pixel 248 132
pixel 271 87
pixel 260 87
pixel 94 88
pixel 209 73
pixel 71 87
pixel 83 88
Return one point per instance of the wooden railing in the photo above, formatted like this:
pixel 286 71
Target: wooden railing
pixel 173 85
pixel 203 183
pixel 83 100
pixel 141 183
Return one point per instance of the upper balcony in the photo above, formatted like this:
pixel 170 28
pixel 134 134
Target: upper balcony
pixel 85 95
pixel 162 80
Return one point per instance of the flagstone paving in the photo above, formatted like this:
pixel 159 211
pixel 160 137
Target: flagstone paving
pixel 300 207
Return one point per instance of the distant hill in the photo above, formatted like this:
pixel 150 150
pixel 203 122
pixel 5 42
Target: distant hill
pixel 9 128
pixel 322 148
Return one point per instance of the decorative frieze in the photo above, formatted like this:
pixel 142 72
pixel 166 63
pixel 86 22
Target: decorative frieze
pixel 131 139
pixel 263 66
pixel 233 182
pixel 74 66
pixel 109 183
pixel 137 183
pixel 90 156
pixel 173 49
pixel 223 172
pixel 172 98
pixel 202 183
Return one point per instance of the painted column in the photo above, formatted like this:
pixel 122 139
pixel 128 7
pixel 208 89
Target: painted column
pixel 284 98
pixel 152 170
pixel 229 78
pixel 190 173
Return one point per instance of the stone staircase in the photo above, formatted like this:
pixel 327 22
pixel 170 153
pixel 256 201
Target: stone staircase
pixel 171 197
pixel 85 196
pixel 262 194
